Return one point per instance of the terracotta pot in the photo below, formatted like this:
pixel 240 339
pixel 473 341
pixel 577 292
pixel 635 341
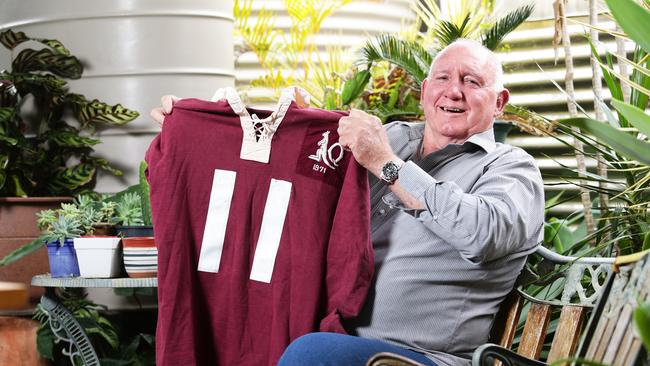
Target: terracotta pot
pixel 140 257
pixel 18 342
pixel 18 227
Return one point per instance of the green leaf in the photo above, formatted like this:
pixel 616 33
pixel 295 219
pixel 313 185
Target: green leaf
pixel 613 83
pixel 646 241
pixel 493 37
pixel 145 194
pixel 9 140
pixel 408 55
pixel 95 111
pixel 29 60
pixel 6 113
pixel 634 20
pixel 447 31
pixel 107 331
pixel 19 191
pixel 23 251
pixel 637 97
pixel 355 86
pixel 71 179
pixel 10 39
pixel 51 83
pixel 635 116
pixel 55 45
pixel 624 143
pixel 611 119
pixel 45 341
pixel 70 138
pixel 642 322
pixel 103 164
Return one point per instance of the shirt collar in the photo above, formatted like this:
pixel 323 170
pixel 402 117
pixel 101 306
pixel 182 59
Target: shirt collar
pixel 484 140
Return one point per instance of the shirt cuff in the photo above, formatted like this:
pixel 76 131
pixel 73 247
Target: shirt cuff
pixel 415 180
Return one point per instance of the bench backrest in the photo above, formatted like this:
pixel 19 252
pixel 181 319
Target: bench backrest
pixel 609 298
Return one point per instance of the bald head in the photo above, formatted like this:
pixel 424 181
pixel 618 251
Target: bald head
pixel 493 69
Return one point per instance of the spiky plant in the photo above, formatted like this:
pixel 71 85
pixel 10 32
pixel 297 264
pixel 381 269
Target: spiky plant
pixel 129 210
pixel 409 55
pixel 291 58
pixel 64 227
pixel 493 36
pixel 446 32
pixel 415 59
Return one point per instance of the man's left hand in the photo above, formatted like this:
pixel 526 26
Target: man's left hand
pixel 364 135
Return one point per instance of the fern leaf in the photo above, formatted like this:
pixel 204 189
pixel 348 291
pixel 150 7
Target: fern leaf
pixel 408 55
pixel 493 36
pixel 448 31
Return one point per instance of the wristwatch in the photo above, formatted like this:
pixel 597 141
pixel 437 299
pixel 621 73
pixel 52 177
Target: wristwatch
pixel 390 171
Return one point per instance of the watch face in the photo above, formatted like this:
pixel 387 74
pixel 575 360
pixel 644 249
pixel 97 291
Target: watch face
pixel 390 172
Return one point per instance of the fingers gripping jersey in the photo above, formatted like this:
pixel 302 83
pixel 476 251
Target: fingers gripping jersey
pixel 262 227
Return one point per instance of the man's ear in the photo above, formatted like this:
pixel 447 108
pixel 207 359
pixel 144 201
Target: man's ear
pixel 423 87
pixel 502 99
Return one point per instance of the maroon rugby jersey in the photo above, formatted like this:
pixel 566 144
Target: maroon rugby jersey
pixel 262 226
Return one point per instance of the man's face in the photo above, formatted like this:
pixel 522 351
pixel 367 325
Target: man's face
pixel 458 96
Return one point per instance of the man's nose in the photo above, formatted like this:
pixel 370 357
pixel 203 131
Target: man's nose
pixel 454 91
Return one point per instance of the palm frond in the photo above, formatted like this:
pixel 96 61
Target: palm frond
pixel 408 55
pixel 493 36
pixel 448 31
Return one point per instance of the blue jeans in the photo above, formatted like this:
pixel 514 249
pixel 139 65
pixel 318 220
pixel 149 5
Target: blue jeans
pixel 340 349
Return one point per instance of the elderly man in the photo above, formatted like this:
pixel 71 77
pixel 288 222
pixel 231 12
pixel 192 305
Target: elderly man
pixel 454 216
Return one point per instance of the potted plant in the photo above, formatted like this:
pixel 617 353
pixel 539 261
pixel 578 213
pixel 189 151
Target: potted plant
pixel 60 227
pixel 98 254
pixel 46 144
pixel 133 216
pixel 140 252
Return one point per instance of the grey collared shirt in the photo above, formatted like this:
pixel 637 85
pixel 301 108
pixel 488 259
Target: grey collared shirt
pixel 443 271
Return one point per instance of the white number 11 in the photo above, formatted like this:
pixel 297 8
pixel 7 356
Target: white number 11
pixel 275 211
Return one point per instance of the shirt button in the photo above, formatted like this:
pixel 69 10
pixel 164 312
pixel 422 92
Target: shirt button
pixel 382 212
pixel 435 217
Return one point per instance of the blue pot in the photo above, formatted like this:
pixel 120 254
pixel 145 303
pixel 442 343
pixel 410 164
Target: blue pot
pixel 63 259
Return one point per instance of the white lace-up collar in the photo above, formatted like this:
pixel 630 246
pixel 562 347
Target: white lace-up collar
pixel 258 133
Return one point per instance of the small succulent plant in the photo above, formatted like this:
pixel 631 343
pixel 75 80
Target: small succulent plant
pixel 129 210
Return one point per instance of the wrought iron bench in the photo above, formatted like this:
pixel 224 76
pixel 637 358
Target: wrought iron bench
pixel 609 295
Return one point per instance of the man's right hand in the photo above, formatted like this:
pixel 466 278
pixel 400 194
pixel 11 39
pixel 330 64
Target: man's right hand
pixel 158 114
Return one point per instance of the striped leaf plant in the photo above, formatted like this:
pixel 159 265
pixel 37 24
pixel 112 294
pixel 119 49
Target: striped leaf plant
pixel 46 141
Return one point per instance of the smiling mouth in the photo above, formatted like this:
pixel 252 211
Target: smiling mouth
pixel 452 110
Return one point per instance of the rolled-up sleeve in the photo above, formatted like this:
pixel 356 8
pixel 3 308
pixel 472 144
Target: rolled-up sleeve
pixel 502 214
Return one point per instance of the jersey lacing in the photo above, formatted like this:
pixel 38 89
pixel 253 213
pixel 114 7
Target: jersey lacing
pixel 258 133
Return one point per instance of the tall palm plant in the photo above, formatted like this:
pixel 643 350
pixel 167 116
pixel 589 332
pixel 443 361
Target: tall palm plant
pixel 622 142
pixel 415 59
pixel 412 55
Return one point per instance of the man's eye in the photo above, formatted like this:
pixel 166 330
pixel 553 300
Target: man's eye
pixel 441 77
pixel 472 82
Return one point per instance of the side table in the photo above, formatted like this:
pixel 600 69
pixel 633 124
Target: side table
pixel 64 325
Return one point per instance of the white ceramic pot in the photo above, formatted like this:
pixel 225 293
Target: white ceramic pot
pixel 99 257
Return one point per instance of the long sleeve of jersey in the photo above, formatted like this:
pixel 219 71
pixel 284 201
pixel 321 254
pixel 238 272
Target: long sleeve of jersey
pixel 347 265
pixel 262 225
